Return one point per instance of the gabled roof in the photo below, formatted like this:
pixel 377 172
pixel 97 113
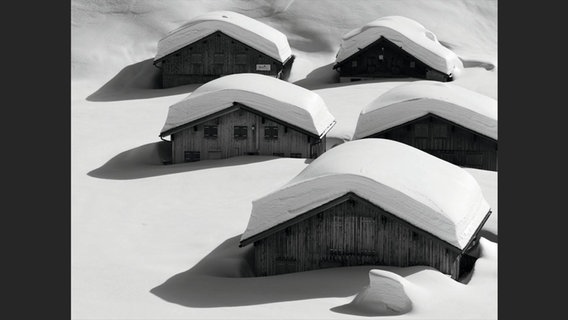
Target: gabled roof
pixel 251 32
pixel 406 33
pixel 276 98
pixel 429 193
pixel 413 100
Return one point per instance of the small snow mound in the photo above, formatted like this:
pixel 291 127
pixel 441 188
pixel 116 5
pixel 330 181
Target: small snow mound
pixel 386 293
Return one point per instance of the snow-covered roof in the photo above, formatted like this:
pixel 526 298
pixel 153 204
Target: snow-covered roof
pixel 274 97
pixel 406 33
pixel 413 100
pixel 429 193
pixel 253 33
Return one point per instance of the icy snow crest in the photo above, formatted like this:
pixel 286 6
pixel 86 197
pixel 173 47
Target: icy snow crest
pixel 277 98
pixel 386 292
pixel 254 33
pixel 406 33
pixel 416 99
pixel 432 194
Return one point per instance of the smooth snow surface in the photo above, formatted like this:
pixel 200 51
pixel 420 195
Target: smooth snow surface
pixel 249 31
pixel 427 192
pixel 415 99
pixel 274 97
pixel 406 33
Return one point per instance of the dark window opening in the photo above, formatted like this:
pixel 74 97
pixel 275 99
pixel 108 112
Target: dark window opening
pixel 210 132
pixel 270 132
pixel 295 155
pixel 278 154
pixel 354 63
pixel 241 59
pixel 191 156
pixel 196 58
pixel 440 131
pixel 240 132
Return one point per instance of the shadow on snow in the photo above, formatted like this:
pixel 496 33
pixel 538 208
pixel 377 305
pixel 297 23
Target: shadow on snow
pixel 148 161
pixel 224 279
pixel 140 80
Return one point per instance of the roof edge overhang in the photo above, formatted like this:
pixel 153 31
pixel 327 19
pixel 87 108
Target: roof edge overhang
pixel 238 106
pixel 353 196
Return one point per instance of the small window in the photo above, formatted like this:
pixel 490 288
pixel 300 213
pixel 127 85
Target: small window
pixel 191 156
pixel 421 130
pixel 241 59
pixel 219 58
pixel 412 64
pixel 240 132
pixel 196 58
pixel 271 132
pixel 354 63
pixel 210 132
pixel 381 57
pixel 295 155
pixel 278 154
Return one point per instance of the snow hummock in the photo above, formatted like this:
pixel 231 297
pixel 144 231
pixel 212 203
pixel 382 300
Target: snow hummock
pixel 406 33
pixel 413 100
pixel 274 97
pixel 385 293
pixel 251 32
pixel 429 193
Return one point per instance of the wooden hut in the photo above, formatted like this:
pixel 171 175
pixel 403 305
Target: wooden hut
pixel 394 46
pixel 220 43
pixel 245 114
pixel 370 202
pixel 445 120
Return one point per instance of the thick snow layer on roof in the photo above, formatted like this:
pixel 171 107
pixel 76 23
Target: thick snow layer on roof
pixel 406 33
pixel 431 194
pixel 277 98
pixel 416 99
pixel 251 32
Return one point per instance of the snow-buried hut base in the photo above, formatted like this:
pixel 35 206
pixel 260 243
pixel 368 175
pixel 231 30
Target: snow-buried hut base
pixel 385 295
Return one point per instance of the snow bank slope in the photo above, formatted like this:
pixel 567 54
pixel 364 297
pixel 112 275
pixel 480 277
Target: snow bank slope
pixel 408 34
pixel 254 33
pixel 430 193
pixel 416 99
pixel 274 97
pixel 385 293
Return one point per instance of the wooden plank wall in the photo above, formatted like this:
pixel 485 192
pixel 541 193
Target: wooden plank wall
pixel 395 62
pixel 349 234
pixel 446 141
pixel 213 56
pixel 225 145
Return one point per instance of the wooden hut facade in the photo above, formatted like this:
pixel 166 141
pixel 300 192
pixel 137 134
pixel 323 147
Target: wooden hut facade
pixel 248 114
pixel 351 231
pixel 298 228
pixel 384 59
pixel 199 59
pixel 446 140
pixel 393 47
pixel 444 120
pixel 241 130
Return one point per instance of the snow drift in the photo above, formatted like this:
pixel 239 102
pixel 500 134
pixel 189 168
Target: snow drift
pixel 254 33
pixel 277 98
pixel 430 193
pixel 406 33
pixel 384 294
pixel 416 99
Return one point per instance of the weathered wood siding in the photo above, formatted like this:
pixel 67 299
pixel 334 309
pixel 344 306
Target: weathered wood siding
pixel 351 233
pixel 447 141
pixel 384 59
pixel 290 142
pixel 211 57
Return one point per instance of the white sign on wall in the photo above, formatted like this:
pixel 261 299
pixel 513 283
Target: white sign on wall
pixel 263 67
